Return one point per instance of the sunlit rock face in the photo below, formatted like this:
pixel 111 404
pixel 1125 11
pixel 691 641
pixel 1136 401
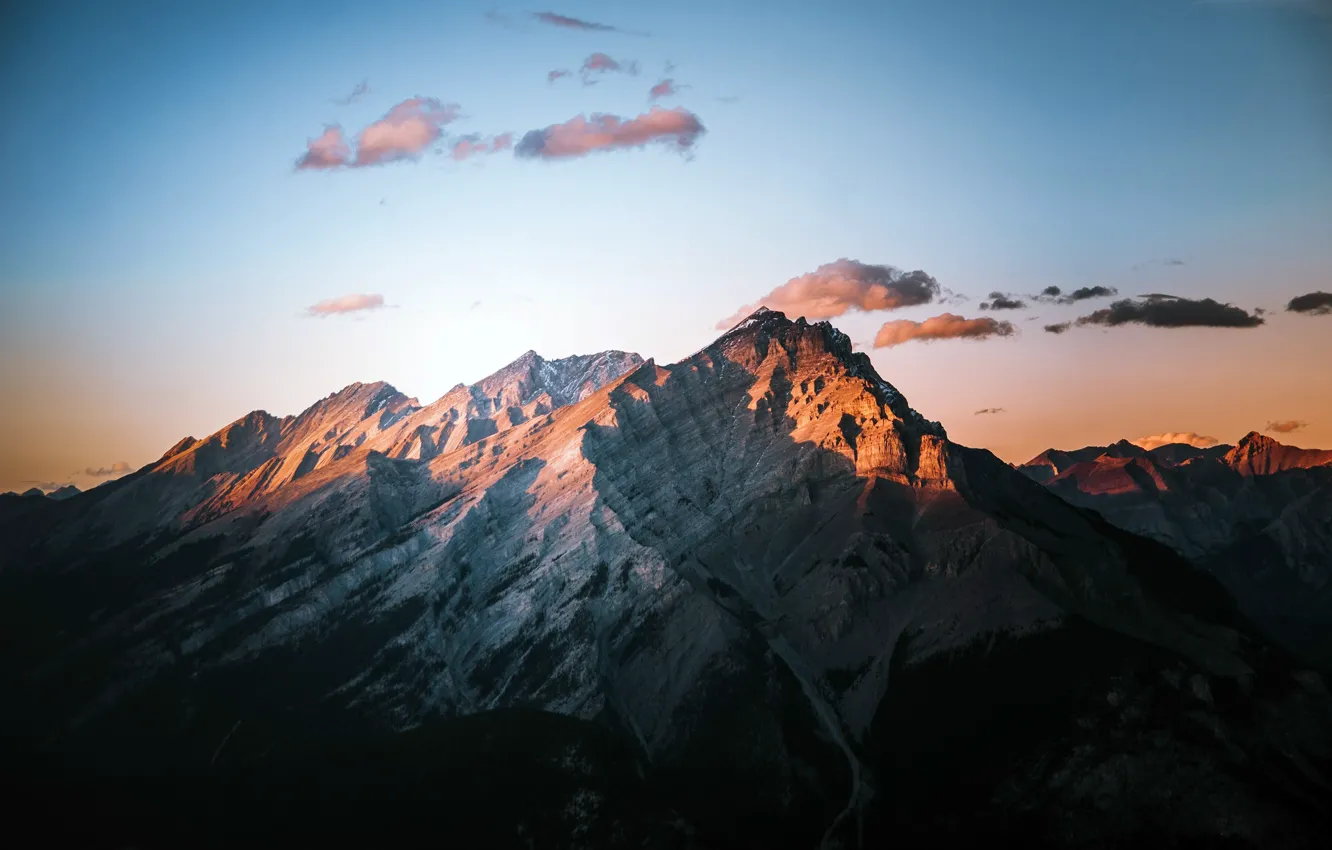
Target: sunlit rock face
pixel 812 618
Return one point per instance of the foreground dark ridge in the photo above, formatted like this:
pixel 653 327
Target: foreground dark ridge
pixel 756 580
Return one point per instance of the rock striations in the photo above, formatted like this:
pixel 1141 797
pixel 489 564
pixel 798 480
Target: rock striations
pixel 755 585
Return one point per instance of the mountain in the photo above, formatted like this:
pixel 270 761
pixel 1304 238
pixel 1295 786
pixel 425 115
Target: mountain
pixel 750 599
pixel 1258 515
pixel 69 491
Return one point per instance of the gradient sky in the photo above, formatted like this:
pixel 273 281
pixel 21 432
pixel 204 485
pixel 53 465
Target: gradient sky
pixel 158 250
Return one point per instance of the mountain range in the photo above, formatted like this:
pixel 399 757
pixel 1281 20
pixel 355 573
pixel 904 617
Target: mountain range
pixel 749 599
pixel 1257 515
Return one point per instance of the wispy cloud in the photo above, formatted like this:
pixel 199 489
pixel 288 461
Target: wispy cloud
pixel 665 88
pixel 1003 301
pixel 362 88
pixel 1311 304
pixel 329 150
pixel 565 22
pixel 1058 327
pixel 1168 261
pixel 600 63
pixel 1169 311
pixel 677 128
pixel 558 73
pixel 943 326
pixel 835 288
pixel 987 411
pixel 1198 441
pixel 469 146
pixel 1286 426
pixel 346 304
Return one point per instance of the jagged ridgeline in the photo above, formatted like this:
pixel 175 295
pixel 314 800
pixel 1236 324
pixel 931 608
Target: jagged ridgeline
pixel 750 599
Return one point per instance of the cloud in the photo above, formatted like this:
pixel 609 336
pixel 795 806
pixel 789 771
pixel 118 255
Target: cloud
pixel 1002 301
pixel 346 304
pixel 404 132
pixel 330 150
pixel 473 145
pixel 1286 426
pixel 728 98
pixel 566 22
pixel 989 410
pixel 45 486
pixel 580 136
pixel 557 74
pixel 600 63
pixel 834 288
pixel 1058 327
pixel 1054 295
pixel 116 470
pixel 1169 311
pixel 1168 261
pixel 665 88
pixel 1198 441
pixel 943 326
pixel 362 88
pixel 1311 304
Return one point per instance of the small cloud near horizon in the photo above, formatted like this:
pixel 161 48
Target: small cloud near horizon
pixel 985 411
pixel 943 326
pixel 116 469
pixel 841 286
pixel 1198 441
pixel 1055 295
pixel 1286 426
pixel 677 128
pixel 346 304
pixel 1058 327
pixel 1311 304
pixel 473 145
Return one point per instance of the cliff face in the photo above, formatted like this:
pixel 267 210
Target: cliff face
pixel 810 616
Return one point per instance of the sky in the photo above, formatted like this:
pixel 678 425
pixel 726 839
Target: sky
pixel 182 239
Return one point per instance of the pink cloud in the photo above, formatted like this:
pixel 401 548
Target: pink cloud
pixel 665 88
pixel 405 132
pixel 943 326
pixel 567 22
pixel 834 288
pixel 580 135
pixel 346 304
pixel 1155 441
pixel 473 145
pixel 328 151
pixel 555 75
pixel 600 63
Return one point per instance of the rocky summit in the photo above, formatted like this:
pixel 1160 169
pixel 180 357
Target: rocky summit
pixel 750 599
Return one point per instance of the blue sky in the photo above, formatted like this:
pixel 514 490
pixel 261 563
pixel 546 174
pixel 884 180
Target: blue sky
pixel 157 249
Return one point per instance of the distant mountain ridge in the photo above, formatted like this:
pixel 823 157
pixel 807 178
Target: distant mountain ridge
pixel 1255 514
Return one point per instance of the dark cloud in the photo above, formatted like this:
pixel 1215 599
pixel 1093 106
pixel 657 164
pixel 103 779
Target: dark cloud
pixel 362 88
pixel 1311 304
pixel 1002 301
pixel 989 410
pixel 943 326
pixel 835 288
pixel 1168 311
pixel 116 470
pixel 1058 327
pixel 1286 426
pixel 1055 295
pixel 580 136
